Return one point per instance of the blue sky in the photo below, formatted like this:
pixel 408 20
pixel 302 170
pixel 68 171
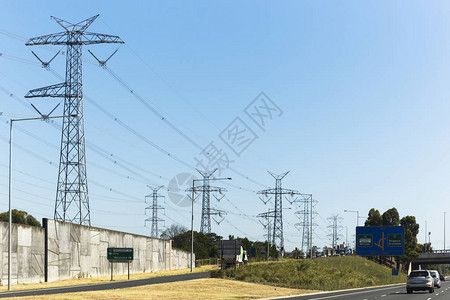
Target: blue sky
pixel 362 87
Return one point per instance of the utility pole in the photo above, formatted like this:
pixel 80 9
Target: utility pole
pixel 206 189
pixel 72 200
pixel 154 207
pixel 306 216
pixel 277 238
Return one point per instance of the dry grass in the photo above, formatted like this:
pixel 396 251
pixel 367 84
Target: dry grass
pixel 209 288
pixel 103 279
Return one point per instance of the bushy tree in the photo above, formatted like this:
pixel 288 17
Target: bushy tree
pixel 391 217
pixel 411 231
pixel 173 231
pixel 374 218
pixel 20 217
pixel 205 245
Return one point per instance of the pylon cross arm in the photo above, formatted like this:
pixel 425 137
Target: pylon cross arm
pixel 97 38
pixel 59 38
pixel 64 38
pixel 56 90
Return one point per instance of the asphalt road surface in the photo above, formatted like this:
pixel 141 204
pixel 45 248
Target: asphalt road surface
pixel 397 292
pixel 105 286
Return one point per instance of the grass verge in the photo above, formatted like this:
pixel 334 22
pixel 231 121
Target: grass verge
pixel 326 274
pixel 210 288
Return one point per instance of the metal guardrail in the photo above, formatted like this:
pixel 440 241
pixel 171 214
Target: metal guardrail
pixel 441 251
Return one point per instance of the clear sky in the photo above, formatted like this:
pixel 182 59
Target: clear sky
pixel 360 87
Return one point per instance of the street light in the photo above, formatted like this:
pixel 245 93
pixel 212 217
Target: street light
pixel 44 117
pixel 192 211
pixel 357 215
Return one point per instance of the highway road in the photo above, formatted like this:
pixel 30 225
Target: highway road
pixel 397 292
pixel 105 286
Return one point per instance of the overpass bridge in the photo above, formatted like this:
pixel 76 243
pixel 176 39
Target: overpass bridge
pixel 437 257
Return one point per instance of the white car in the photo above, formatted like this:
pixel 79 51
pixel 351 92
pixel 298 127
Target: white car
pixel 436 277
pixel 419 280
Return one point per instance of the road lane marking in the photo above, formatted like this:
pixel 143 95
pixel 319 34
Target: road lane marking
pixel 348 294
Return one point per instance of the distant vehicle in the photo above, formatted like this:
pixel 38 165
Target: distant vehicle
pixel 231 253
pixel 419 280
pixel 436 277
pixel 442 277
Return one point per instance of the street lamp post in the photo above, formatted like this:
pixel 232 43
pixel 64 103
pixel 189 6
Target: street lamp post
pixel 357 219
pixel 10 186
pixel 357 215
pixel 192 212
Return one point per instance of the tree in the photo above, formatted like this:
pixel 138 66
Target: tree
pixel 296 253
pixel 173 231
pixel 411 246
pixel 391 217
pixel 20 217
pixel 374 218
pixel 205 245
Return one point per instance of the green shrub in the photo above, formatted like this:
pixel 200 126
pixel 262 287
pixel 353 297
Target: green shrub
pixel 320 274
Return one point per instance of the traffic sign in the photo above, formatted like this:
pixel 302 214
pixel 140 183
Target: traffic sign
pixel 120 254
pixel 380 240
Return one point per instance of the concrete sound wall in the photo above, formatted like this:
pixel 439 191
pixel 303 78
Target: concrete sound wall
pixel 65 250
pixel 28 253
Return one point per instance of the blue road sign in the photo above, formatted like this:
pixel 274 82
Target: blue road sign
pixel 383 240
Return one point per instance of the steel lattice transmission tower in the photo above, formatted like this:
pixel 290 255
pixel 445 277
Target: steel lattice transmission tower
pixel 154 208
pixel 72 200
pixel 335 229
pixel 277 238
pixel 206 189
pixel 306 216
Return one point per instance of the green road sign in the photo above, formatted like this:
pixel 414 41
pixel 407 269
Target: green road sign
pixel 365 240
pixel 120 254
pixel 394 240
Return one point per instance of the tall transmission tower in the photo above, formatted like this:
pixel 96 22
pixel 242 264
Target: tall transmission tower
pixel 267 216
pixel 72 200
pixel 154 208
pixel 306 216
pixel 335 227
pixel 277 238
pixel 206 189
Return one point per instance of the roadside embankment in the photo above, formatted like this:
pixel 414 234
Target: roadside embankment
pixel 325 274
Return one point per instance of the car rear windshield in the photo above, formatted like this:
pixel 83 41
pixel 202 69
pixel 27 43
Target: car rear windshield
pixel 433 273
pixel 419 274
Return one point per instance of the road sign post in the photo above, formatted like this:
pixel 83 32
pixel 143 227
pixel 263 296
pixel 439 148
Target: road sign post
pixel 120 255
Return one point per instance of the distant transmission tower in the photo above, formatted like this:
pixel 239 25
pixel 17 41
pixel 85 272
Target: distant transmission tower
pixel 265 222
pixel 335 227
pixel 154 208
pixel 72 200
pixel 306 216
pixel 206 189
pixel 277 238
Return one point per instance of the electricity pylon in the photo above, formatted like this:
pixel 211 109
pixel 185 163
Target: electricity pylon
pixel 277 238
pixel 306 216
pixel 154 207
pixel 72 199
pixel 335 229
pixel 206 189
